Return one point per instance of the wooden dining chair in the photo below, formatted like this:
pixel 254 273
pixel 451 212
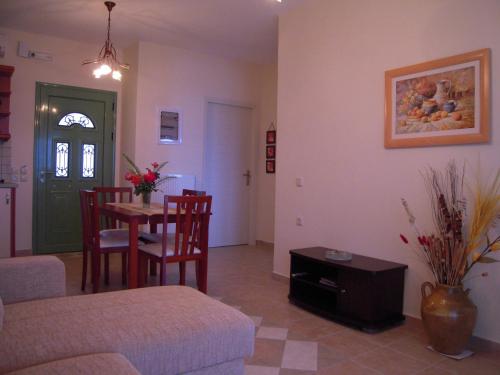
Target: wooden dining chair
pixel 156 237
pixel 196 193
pixel 96 241
pixel 189 243
pixel 112 227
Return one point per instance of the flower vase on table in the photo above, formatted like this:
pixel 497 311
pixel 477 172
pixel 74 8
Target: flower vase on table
pixel 145 183
pixel 146 199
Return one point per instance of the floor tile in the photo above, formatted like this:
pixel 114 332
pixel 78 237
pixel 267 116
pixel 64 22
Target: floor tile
pixel 300 355
pixel 261 370
pixel 414 348
pixel 312 329
pixel 327 357
pixel 287 371
pixel 272 333
pixel 474 365
pixel 267 353
pixel 347 368
pixel 346 345
pixel 257 320
pixel 383 338
pixel 434 370
pixel 390 362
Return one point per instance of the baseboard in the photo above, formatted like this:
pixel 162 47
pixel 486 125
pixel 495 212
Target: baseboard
pixel 24 253
pixel 279 277
pixel 264 243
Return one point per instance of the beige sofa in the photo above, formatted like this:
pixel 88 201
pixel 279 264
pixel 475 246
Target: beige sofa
pixel 158 330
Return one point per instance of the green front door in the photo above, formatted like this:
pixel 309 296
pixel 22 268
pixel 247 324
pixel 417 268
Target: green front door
pixel 74 150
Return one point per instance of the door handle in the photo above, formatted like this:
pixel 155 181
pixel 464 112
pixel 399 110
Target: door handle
pixel 43 174
pixel 248 176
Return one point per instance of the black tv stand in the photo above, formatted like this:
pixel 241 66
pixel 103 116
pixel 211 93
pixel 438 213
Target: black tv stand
pixel 365 293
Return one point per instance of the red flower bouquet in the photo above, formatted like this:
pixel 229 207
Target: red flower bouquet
pixel 145 183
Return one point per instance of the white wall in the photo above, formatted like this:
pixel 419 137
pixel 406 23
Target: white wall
pixel 181 79
pixel 65 69
pixel 129 101
pixel 332 58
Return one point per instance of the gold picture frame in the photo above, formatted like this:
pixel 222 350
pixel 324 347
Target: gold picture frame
pixel 440 102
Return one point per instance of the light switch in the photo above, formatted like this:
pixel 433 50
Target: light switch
pixel 299 181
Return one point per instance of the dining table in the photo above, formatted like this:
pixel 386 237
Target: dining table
pixel 134 214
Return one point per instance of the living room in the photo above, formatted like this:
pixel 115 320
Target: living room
pixel 325 93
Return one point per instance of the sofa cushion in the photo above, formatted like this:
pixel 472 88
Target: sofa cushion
pixel 161 330
pixel 93 364
pixel 31 277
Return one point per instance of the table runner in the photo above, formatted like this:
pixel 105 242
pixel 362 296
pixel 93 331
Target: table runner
pixel 155 209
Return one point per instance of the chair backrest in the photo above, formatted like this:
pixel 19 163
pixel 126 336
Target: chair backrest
pixel 111 194
pixel 196 193
pixel 90 219
pixel 192 217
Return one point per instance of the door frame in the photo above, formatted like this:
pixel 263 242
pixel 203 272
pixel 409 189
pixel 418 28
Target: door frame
pixel 38 139
pixel 253 156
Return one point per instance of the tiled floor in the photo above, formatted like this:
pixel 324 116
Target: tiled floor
pixel 291 341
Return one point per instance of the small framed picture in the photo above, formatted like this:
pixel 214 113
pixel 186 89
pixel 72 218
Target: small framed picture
pixel 170 126
pixel 271 137
pixel 271 152
pixel 270 166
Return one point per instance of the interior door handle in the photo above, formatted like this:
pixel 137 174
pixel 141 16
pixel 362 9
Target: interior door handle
pixel 248 176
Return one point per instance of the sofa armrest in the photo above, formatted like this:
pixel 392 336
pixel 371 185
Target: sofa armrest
pixel 32 277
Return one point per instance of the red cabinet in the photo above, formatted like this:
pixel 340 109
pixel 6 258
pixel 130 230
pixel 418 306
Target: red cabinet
pixel 5 77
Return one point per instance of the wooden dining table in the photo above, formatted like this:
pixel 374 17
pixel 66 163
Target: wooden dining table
pixel 134 215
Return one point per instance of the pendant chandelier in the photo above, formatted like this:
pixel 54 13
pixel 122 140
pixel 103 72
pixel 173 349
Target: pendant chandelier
pixel 107 60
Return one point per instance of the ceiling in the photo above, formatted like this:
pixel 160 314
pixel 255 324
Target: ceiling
pixel 241 29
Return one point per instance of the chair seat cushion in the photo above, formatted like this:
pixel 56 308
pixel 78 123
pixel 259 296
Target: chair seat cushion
pixel 156 249
pixel 114 233
pixel 115 238
pixel 93 364
pixel 151 237
pixel 160 330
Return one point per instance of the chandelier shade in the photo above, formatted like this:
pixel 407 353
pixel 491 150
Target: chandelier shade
pixel 106 60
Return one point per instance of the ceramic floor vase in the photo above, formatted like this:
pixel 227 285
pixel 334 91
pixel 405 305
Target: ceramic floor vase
pixel 449 317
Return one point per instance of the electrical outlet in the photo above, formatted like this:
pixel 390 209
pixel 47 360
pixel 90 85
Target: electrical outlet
pixel 299 221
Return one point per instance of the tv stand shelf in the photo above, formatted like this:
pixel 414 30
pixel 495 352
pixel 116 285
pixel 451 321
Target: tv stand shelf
pixel 365 293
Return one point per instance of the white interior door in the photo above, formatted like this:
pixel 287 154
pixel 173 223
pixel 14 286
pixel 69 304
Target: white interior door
pixel 229 173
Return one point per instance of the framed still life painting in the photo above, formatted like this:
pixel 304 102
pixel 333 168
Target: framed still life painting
pixel 439 102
